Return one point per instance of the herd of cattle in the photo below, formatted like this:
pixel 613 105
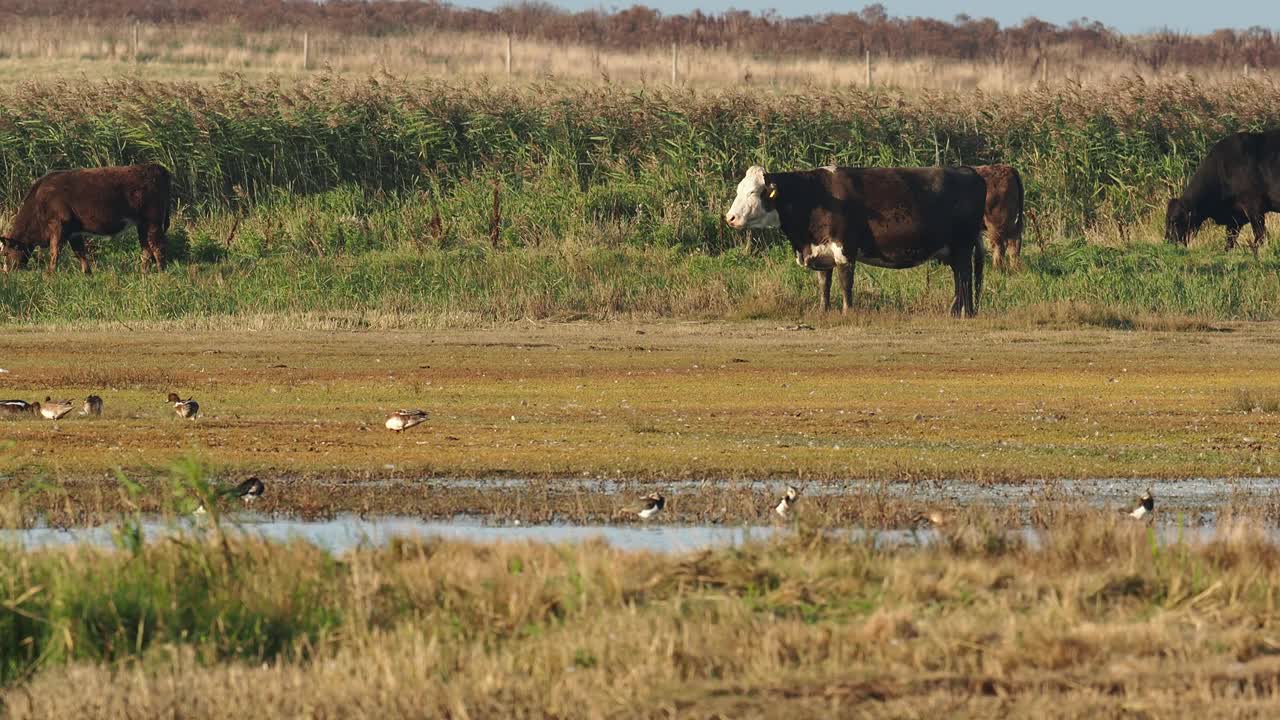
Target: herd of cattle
pixel 833 217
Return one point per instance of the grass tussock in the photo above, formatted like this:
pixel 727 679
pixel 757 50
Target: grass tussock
pixel 1252 401
pixel 1097 613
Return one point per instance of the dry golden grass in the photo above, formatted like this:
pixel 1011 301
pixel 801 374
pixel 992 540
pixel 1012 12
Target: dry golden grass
pixel 35 48
pixel 1097 621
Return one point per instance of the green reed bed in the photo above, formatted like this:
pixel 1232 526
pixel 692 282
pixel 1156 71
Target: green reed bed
pixel 1088 155
pixel 379 196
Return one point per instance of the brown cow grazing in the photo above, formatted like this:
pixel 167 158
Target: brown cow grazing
pixel 886 217
pixel 1003 213
pixel 1237 183
pixel 65 205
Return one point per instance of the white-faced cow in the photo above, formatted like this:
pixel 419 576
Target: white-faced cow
pixel 886 217
pixel 1238 182
pixel 65 205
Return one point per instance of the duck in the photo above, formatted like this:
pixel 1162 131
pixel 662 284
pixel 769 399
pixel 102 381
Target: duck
pixel 402 420
pixel 650 505
pixel 55 409
pixel 188 408
pixel 18 407
pixel 1146 506
pixel 92 406
pixel 789 499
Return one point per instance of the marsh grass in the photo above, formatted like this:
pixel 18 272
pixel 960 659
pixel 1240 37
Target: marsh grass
pixel 376 198
pixel 1250 400
pixel 1145 286
pixel 1099 613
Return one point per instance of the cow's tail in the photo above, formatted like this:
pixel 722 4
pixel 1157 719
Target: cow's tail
pixel 165 181
pixel 979 264
pixel 1018 221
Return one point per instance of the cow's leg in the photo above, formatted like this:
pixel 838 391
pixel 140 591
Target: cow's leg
pixel 846 286
pixel 1259 223
pixel 998 251
pixel 1233 232
pixel 979 267
pixel 962 273
pixel 57 232
pixel 824 289
pixel 81 251
pixel 151 242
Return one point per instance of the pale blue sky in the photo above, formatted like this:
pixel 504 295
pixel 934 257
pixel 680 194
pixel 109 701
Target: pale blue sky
pixel 1196 16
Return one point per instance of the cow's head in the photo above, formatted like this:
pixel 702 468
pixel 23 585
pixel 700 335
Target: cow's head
pixel 14 254
pixel 1177 222
pixel 756 205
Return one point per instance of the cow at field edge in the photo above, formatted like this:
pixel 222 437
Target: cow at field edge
pixel 886 217
pixel 1003 213
pixel 65 205
pixel 1238 182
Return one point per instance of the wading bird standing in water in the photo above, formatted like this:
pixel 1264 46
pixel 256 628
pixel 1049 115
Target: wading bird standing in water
pixel 1146 506
pixel 784 506
pixel 402 420
pixel 249 490
pixel 649 505
pixel 188 408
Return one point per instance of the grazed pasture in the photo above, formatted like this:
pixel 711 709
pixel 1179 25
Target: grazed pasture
pixel 867 398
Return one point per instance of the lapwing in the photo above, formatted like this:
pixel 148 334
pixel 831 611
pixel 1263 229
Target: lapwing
pixel 184 408
pixel 402 420
pixel 650 505
pixel 92 406
pixel 248 491
pixel 1146 506
pixel 784 506
pixel 55 409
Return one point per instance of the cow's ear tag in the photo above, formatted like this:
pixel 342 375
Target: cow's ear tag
pixel 773 192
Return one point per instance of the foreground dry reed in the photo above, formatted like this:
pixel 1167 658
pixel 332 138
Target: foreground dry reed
pixel 1097 620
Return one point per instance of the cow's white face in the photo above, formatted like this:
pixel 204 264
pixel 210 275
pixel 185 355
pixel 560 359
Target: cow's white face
pixel 754 206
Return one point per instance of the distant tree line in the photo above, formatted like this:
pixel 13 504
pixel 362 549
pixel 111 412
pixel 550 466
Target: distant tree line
pixel 848 34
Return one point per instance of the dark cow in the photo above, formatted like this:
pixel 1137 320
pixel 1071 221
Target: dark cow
pixel 65 205
pixel 1238 182
pixel 1003 213
pixel 886 217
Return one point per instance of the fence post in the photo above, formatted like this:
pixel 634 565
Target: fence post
pixel 867 67
pixel 673 63
pixel 1246 70
pixel 306 49
pixel 508 54
pixel 1044 69
pixel 135 41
